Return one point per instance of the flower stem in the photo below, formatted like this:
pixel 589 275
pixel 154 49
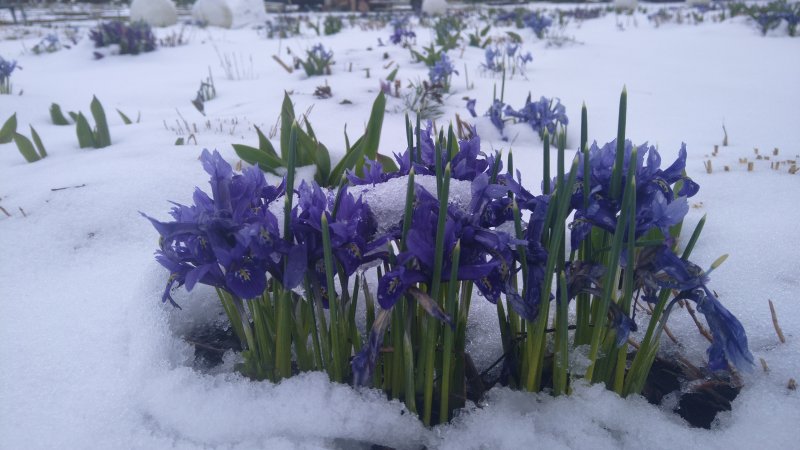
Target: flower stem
pixel 333 302
pixel 612 263
pixel 447 352
pixel 561 351
pixel 640 367
pixel 433 323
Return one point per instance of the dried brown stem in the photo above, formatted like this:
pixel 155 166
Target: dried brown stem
pixel 700 326
pixel 282 64
pixel 778 330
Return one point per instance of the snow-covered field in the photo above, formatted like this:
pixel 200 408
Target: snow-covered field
pixel 90 358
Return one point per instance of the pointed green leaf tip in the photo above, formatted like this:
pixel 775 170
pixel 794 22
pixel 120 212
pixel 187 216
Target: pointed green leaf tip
pixel 25 147
pixel 38 141
pixel 8 130
pixel 84 132
pixel 719 261
pixel 57 116
pixel 102 138
pixel 125 119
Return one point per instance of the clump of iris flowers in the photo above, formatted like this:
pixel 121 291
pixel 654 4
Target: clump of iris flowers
pixel 401 32
pixel 441 72
pixel 130 39
pixel 6 69
pixel 229 240
pixel 544 115
pixel 506 59
pixel 538 23
pixel 318 61
pixel 292 293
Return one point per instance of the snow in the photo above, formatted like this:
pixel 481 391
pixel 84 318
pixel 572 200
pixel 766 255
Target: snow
pixel 389 207
pixel 158 13
pixel 91 359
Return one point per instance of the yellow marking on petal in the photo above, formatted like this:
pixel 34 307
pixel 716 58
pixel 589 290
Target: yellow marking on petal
pixel 394 284
pixel 354 251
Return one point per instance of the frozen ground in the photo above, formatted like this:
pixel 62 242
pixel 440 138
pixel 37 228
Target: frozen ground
pixel 90 358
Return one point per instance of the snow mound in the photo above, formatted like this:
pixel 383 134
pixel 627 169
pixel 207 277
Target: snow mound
pixel 433 7
pixel 594 417
pixel 389 207
pixel 626 4
pixel 215 13
pixel 229 13
pixel 157 13
pixel 305 411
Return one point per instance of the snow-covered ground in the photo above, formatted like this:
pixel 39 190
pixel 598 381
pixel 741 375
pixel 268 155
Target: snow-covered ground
pixel 90 358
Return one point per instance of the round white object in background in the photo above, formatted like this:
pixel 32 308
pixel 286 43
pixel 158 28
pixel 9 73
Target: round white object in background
pixel 156 13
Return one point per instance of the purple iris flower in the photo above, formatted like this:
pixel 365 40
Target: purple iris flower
pixel 363 363
pixel 386 88
pixel 492 55
pixel 536 254
pixel 6 68
pixel 486 255
pixel 622 324
pixel 490 207
pixel 495 114
pixel 545 114
pixel 659 267
pixel 511 49
pixel 467 163
pixel 352 232
pixel 538 23
pixel 583 277
pixel 373 174
pixel 229 240
pixel 401 34
pixel 657 205
pixel 441 71
pixel 471 107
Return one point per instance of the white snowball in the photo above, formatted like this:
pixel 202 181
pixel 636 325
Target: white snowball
pixel 229 13
pixel 247 12
pixel 626 4
pixel 157 13
pixel 215 13
pixel 434 6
